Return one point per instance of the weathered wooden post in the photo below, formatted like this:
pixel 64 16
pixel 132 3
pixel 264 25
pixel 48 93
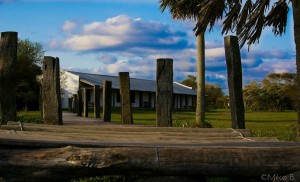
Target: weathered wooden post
pixel 8 63
pixel 126 112
pixel 107 98
pixel 52 113
pixel 79 103
pixel 97 101
pixel 75 103
pixel 85 103
pixel 70 103
pixel 164 92
pixel 234 72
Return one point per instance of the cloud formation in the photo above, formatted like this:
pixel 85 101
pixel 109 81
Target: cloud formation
pixel 121 33
pixel 123 43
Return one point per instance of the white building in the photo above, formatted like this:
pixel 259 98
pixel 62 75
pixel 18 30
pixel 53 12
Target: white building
pixel 142 91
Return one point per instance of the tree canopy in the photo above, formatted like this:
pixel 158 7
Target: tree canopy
pixel 246 18
pixel 276 92
pixel 214 95
pixel 29 61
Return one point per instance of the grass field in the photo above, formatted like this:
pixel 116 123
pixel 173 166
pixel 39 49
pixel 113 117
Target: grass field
pixel 271 124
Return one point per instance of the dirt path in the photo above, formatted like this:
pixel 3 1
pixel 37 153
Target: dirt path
pixel 72 119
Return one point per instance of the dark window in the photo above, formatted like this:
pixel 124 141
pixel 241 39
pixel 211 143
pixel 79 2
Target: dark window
pixel 132 97
pixel 118 97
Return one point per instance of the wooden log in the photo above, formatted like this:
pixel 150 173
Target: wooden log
pixel 8 63
pixel 126 110
pixel 164 93
pixel 235 85
pixel 107 100
pixel 97 101
pixel 52 113
pixel 33 164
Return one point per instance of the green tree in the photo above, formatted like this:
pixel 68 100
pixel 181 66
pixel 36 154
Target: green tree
pixel 191 81
pixel 247 18
pixel 29 61
pixel 253 96
pixel 214 95
pixel 276 92
pixel 189 9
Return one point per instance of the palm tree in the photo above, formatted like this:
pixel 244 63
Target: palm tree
pixel 189 9
pixel 245 17
pixel 248 22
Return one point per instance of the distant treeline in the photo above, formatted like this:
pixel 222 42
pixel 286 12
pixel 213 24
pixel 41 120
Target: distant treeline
pixel 276 92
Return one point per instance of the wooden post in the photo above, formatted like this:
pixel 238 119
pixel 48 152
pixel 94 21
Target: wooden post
pixel 125 98
pixel 234 72
pixel 97 101
pixel 107 97
pixel 8 63
pixel 70 103
pixel 41 100
pixel 164 92
pixel 52 113
pixel 75 103
pixel 79 103
pixel 85 104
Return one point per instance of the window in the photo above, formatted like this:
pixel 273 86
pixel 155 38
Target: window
pixel 132 97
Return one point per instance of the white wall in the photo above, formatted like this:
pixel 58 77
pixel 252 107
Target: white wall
pixel 70 85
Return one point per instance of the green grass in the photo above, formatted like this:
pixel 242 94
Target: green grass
pixel 281 125
pixel 263 124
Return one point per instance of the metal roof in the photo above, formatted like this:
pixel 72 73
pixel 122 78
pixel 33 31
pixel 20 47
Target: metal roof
pixel 135 83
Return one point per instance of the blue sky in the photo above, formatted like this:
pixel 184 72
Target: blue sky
pixel 109 36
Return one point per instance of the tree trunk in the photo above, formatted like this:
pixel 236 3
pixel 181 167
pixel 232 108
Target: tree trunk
pixel 296 15
pixel 200 105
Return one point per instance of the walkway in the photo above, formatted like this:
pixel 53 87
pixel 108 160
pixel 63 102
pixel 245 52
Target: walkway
pixel 72 119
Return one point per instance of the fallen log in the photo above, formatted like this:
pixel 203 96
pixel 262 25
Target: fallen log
pixel 58 164
pixel 60 153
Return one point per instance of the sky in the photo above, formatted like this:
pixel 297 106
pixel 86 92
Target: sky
pixel 110 36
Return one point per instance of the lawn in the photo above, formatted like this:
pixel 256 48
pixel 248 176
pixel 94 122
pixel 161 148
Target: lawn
pixel 271 124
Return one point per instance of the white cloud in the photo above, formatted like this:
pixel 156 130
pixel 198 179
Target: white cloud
pixel 69 26
pixel 122 33
pixel 90 42
pixel 215 52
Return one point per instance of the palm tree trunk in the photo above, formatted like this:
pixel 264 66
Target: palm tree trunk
pixel 200 109
pixel 296 15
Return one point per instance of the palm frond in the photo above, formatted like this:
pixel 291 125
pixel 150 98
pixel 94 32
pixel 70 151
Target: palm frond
pixel 277 17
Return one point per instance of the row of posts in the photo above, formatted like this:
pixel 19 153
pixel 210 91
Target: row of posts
pixel 51 94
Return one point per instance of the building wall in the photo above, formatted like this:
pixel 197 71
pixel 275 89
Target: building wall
pixel 70 86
